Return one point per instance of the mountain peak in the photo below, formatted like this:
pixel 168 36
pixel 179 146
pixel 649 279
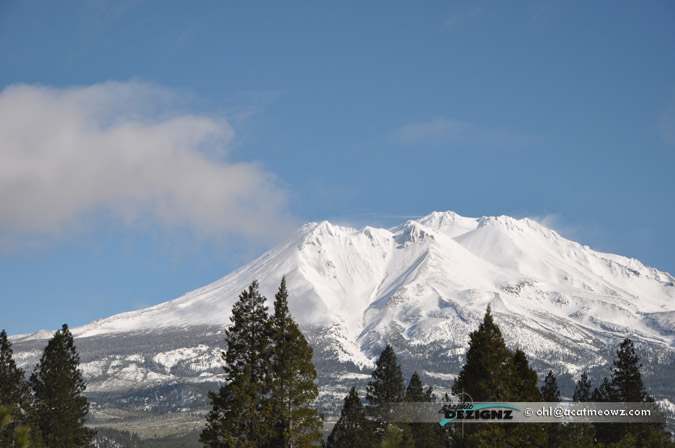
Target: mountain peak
pixel 422 286
pixel 515 224
pixel 449 223
pixel 315 231
pixel 363 279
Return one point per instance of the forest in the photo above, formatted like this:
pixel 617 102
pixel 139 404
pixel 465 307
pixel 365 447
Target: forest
pixel 268 398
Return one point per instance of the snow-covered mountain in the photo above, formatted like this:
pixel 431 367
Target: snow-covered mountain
pixel 422 286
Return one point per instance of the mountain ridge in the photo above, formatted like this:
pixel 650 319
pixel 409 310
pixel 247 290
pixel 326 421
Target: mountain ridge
pixel 493 255
pixel 422 286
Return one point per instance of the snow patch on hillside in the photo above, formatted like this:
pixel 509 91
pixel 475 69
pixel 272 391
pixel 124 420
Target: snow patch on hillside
pixel 427 281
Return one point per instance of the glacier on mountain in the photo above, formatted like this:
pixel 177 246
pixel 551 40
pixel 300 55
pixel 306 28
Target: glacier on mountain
pixel 422 286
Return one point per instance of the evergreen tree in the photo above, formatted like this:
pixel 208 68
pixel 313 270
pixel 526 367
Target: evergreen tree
pixel 627 386
pixel 415 390
pixel 426 435
pixel 487 375
pixel 579 435
pixel 488 436
pixel 647 437
pixel 488 364
pixel 488 371
pixel 525 379
pixel 582 390
pixel 353 429
pixel 19 435
pixel 238 416
pixel 605 392
pixel 15 399
pixel 626 377
pixel 605 432
pixel 393 438
pixel 493 373
pixel 57 386
pixel 525 389
pixel 574 435
pixel 550 391
pixel 386 386
pixel 293 380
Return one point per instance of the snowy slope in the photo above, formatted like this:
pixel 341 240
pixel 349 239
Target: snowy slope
pixel 371 278
pixel 423 286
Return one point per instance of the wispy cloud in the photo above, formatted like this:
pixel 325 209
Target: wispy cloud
pixel 448 132
pixel 586 232
pixel 666 125
pixel 461 16
pixel 554 221
pixel 127 152
pixel 543 10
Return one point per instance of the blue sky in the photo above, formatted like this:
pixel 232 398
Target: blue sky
pixel 150 147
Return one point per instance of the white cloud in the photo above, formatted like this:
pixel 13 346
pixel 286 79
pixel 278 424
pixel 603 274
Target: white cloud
pixel 447 132
pixel 122 150
pixel 461 16
pixel 666 126
pixel 543 10
pixel 553 221
pixel 588 233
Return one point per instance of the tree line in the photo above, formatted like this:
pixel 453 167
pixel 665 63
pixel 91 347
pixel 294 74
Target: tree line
pixel 493 373
pixel 49 409
pixel 268 397
pixel 270 389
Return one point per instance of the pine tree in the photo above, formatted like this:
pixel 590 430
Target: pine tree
pixel 575 435
pixel 488 436
pixel 393 438
pixel 492 373
pixel 16 400
pixel 525 389
pixel 525 379
pixel 427 435
pixel 626 377
pixel 293 380
pixel 582 390
pixel 605 392
pixel 18 435
pixel 605 432
pixel 488 370
pixel 628 387
pixel 579 435
pixel 386 386
pixel 647 436
pixel 57 386
pixel 415 390
pixel 486 376
pixel 550 391
pixel 353 429
pixel 238 415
